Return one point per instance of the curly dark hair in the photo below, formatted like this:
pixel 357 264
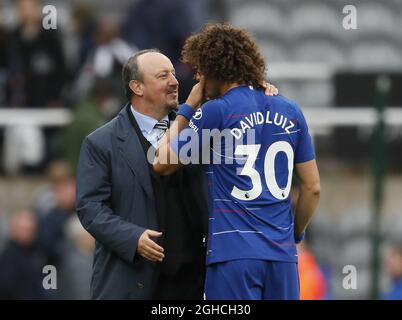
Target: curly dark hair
pixel 225 53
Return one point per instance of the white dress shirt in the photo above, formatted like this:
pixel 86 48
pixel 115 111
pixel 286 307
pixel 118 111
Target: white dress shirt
pixel 147 127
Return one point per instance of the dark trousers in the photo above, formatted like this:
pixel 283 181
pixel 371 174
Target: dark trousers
pixel 186 284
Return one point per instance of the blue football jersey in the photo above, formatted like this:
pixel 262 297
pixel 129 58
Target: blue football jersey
pixel 251 142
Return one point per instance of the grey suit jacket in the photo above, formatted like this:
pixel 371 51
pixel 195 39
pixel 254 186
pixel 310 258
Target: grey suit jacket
pixel 115 204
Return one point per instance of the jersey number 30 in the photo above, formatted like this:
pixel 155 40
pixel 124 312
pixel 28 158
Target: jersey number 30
pixel 251 151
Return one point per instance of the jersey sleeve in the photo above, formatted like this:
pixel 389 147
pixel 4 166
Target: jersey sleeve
pixel 194 140
pixel 304 149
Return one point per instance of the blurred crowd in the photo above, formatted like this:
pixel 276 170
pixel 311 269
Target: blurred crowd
pixel 77 66
pixel 47 233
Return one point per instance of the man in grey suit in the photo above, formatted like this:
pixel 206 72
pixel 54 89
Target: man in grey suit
pixel 140 254
pixel 149 232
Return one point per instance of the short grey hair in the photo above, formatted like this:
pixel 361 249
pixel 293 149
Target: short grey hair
pixel 131 71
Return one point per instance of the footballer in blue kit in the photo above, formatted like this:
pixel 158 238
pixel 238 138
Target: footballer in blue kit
pixel 249 144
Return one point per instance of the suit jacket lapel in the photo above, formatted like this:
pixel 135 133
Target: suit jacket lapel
pixel 131 150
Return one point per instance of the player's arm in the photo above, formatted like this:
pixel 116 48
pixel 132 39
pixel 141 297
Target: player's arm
pixel 309 196
pixel 166 160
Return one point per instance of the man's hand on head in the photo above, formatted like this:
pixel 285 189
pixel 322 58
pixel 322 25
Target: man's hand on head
pixel 270 89
pixel 148 248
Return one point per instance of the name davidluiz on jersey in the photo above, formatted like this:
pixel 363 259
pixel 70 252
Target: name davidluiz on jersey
pixel 254 141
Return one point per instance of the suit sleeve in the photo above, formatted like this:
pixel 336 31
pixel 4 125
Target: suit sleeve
pixel 93 205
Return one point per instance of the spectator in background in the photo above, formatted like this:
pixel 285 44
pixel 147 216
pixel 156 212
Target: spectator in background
pixel 45 198
pixel 393 267
pixel 3 64
pixel 37 65
pixel 312 281
pixel 3 75
pixel 51 233
pixel 89 114
pixel 36 77
pixel 103 62
pixel 154 24
pixel 3 230
pixel 84 27
pixel 21 263
pixel 76 269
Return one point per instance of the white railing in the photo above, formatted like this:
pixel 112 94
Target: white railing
pixel 316 117
pixel 301 71
pixel 351 116
pixel 35 117
pixel 24 140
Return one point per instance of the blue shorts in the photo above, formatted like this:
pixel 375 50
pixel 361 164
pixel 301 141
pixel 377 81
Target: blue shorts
pixel 248 279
